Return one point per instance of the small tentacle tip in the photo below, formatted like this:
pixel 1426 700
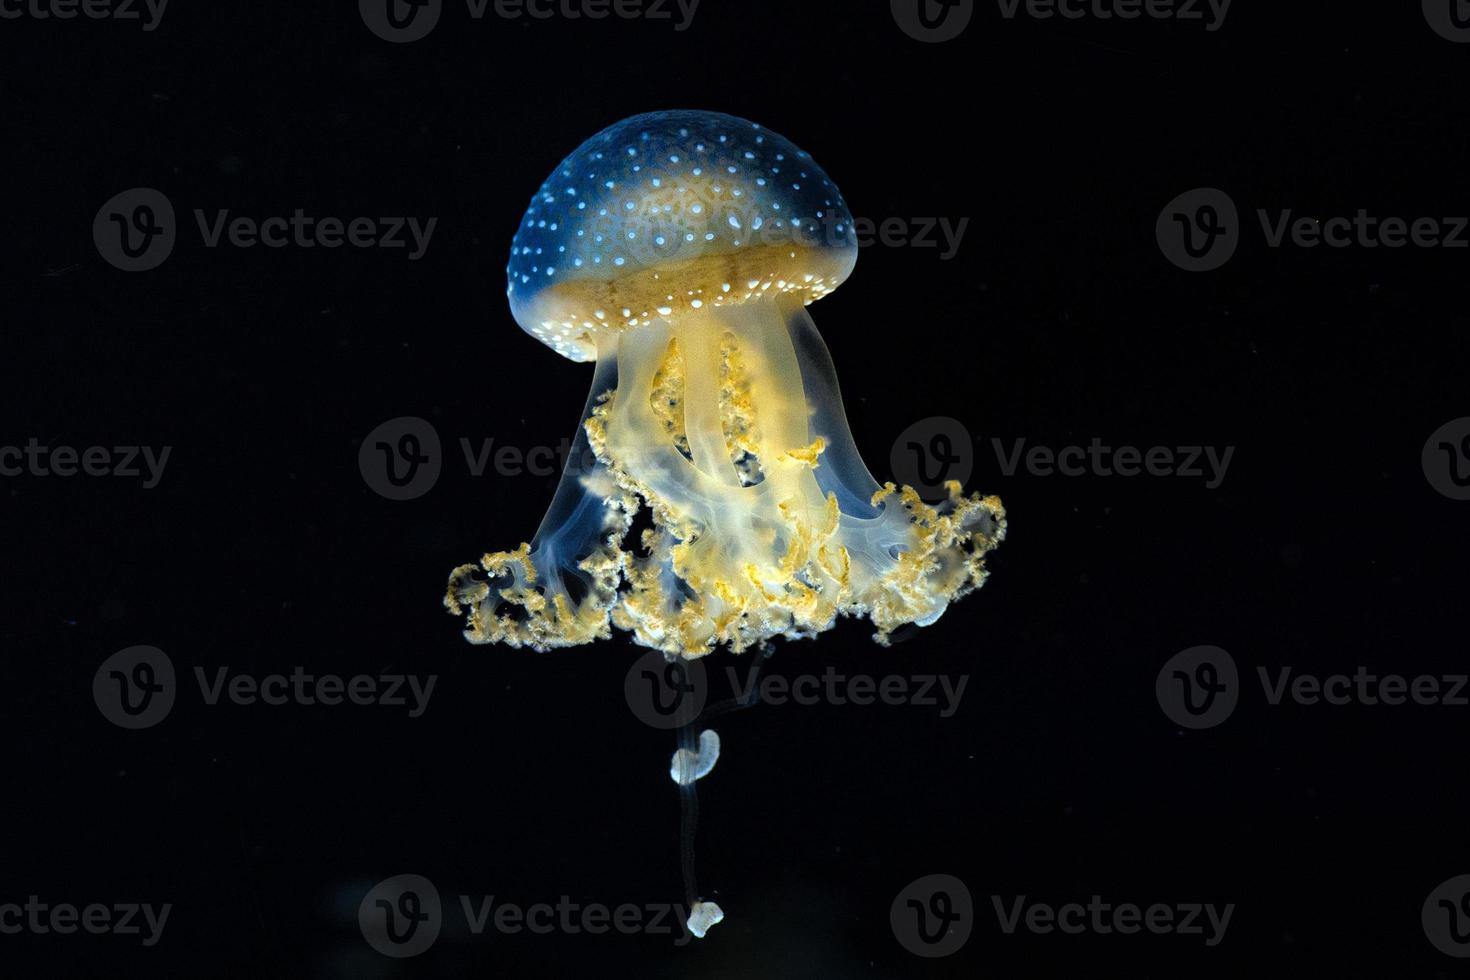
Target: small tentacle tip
pixel 689 764
pixel 703 916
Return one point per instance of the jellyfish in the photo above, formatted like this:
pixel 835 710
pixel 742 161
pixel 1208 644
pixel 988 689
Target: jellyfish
pixel 714 497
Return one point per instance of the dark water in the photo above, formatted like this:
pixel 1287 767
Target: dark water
pixel 1030 747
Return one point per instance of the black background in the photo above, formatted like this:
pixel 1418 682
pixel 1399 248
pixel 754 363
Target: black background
pixel 528 778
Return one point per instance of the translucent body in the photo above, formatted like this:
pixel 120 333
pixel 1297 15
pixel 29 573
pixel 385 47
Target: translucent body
pixel 727 426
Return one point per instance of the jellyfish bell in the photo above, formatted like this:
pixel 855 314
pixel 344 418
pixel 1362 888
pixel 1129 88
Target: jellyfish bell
pixel 666 216
pixel 679 251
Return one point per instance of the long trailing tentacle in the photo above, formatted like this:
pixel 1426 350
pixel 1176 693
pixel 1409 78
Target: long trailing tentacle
pixel 699 749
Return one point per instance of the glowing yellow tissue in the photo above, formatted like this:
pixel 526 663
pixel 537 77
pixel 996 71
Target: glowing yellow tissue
pixel 728 504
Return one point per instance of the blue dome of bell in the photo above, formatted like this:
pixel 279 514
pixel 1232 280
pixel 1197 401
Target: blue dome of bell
pixel 674 211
